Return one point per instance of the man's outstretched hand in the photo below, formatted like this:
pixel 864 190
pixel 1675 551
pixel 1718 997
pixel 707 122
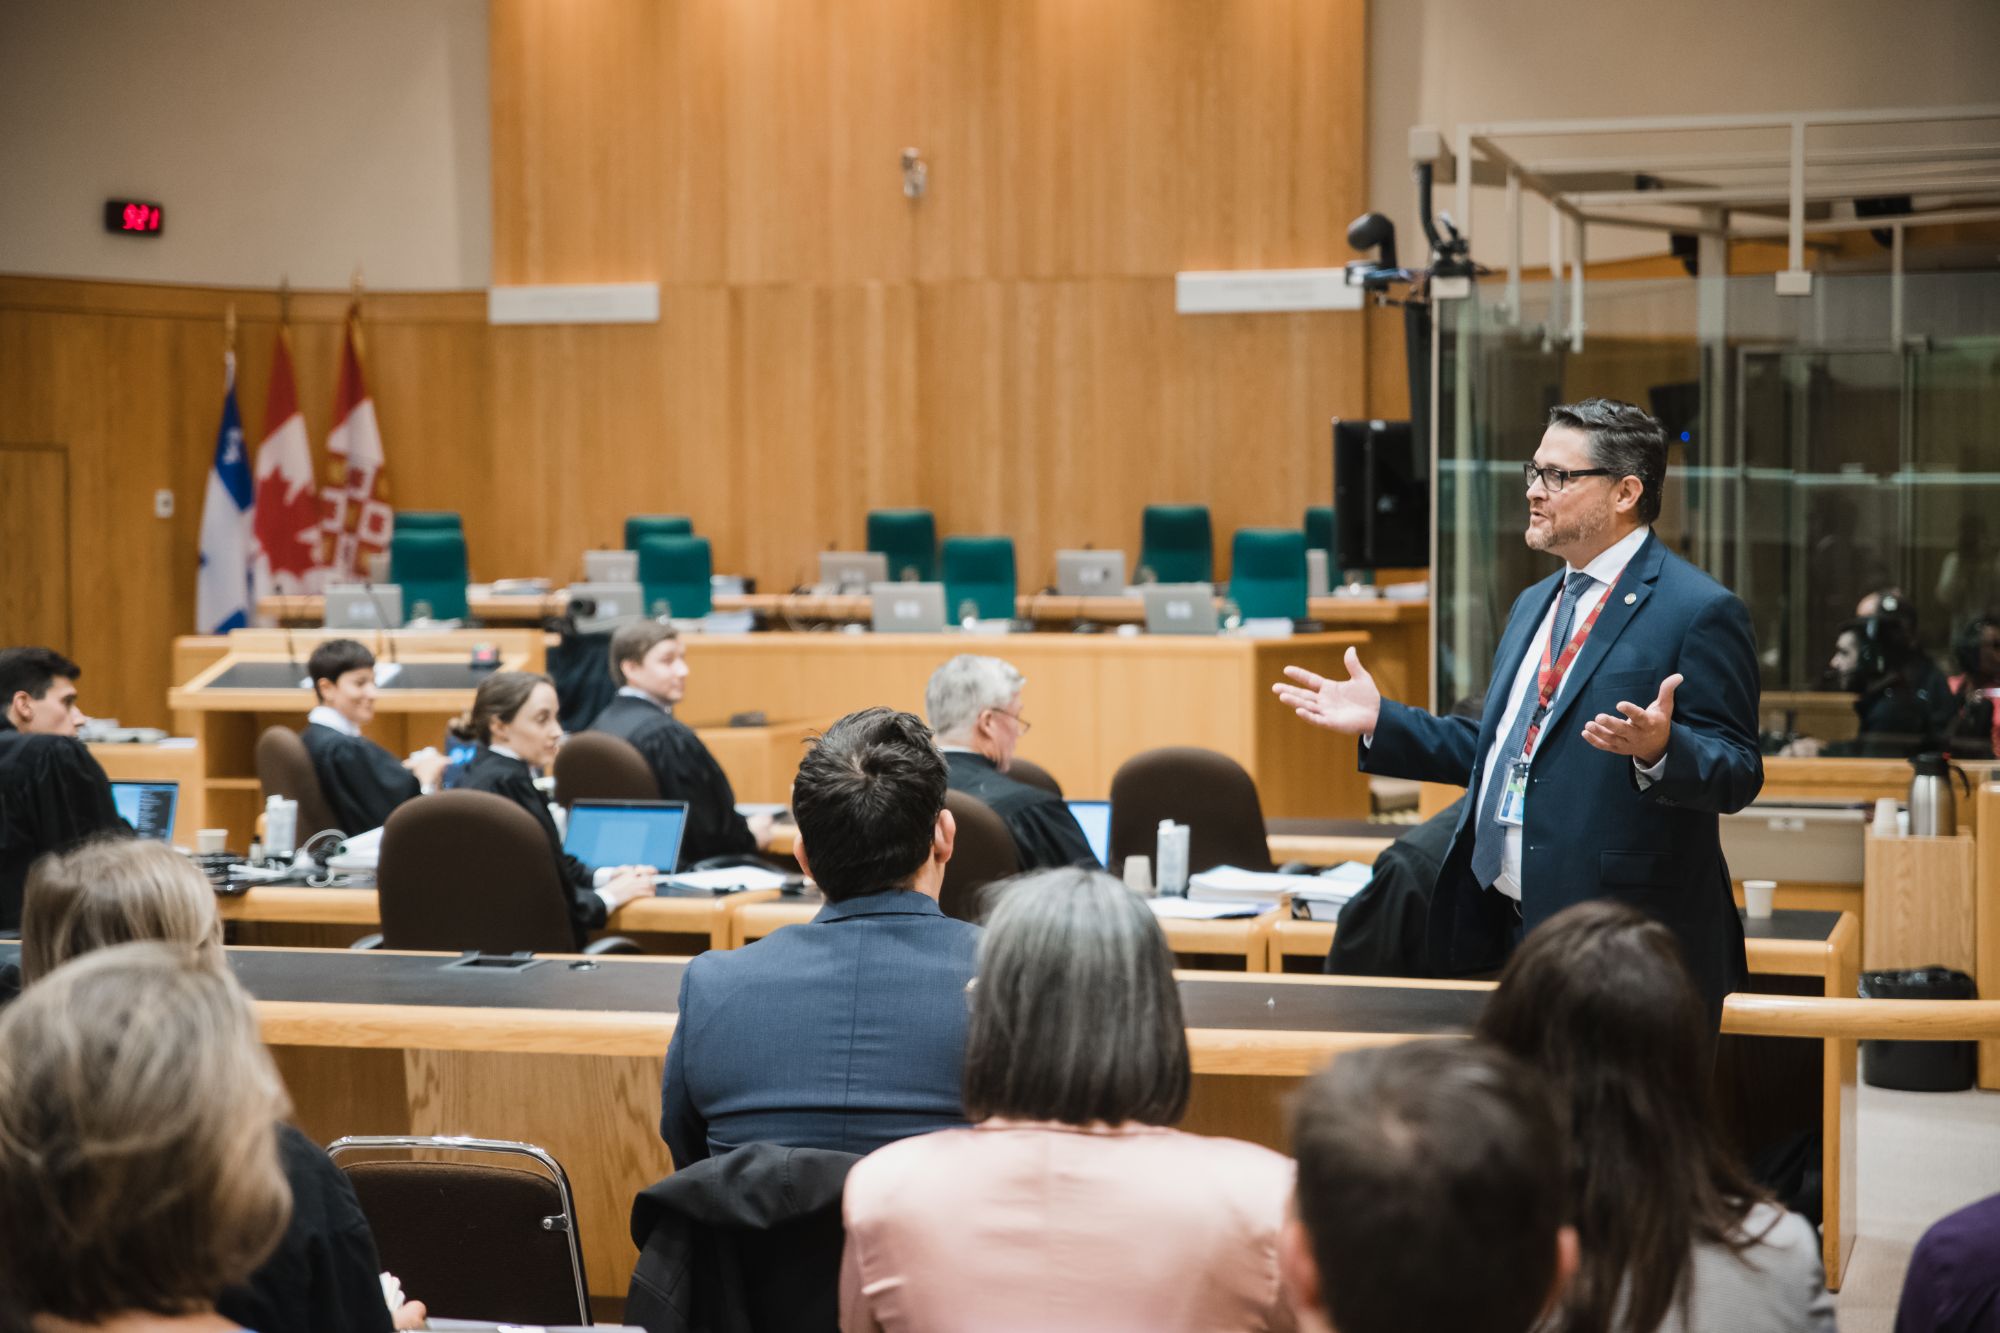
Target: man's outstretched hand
pixel 1352 706
pixel 1641 732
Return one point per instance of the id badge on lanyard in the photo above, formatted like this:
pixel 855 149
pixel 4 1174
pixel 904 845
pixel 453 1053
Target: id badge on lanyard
pixel 1512 811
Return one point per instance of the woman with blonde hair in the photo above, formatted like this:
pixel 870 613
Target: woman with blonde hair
pixel 139 1170
pixel 323 1275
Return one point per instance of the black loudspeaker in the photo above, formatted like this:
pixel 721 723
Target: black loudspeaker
pixel 1381 495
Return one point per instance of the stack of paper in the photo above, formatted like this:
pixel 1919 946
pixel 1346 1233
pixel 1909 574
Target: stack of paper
pixel 1185 909
pixel 1225 884
pixel 1321 897
pixel 733 880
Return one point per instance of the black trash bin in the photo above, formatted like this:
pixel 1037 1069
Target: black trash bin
pixel 1919 1066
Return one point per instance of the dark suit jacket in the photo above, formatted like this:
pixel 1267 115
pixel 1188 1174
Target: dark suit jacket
pixel 1045 832
pixel 1591 832
pixel 846 1032
pixel 686 771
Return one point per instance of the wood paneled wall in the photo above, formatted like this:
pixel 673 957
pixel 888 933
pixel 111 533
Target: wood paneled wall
pixel 1004 351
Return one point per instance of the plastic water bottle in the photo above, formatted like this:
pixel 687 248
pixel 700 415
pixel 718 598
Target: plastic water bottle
pixel 281 826
pixel 1171 858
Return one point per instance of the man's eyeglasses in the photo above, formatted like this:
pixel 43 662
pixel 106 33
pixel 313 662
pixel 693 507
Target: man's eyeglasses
pixel 1553 479
pixel 1019 721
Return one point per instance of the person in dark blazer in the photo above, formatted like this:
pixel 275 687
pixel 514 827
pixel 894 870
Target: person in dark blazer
pixel 650 665
pixel 974 706
pixel 1620 723
pixel 362 782
pixel 53 792
pixel 513 721
pixel 846 1032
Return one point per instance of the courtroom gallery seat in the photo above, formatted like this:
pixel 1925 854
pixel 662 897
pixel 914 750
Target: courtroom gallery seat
pixel 1207 791
pixel 594 766
pixel 468 870
pixel 285 768
pixel 468 1237
pixel 984 852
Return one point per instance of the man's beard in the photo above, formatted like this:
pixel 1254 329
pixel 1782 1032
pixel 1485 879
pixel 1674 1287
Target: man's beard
pixel 1583 528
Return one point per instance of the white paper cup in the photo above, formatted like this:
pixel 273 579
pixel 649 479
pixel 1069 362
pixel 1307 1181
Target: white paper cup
pixel 1139 875
pixel 1757 897
pixel 211 840
pixel 1887 817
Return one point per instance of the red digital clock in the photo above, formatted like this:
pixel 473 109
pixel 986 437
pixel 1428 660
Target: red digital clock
pixel 133 217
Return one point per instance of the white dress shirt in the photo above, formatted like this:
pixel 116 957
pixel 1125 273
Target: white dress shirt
pixel 1603 569
pixel 333 720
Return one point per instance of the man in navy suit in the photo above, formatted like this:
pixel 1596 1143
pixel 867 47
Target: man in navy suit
pixel 1575 790
pixel 846 1032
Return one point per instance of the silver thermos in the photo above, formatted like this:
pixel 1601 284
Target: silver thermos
pixel 1933 807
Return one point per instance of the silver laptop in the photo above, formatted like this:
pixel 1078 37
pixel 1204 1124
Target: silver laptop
pixel 615 602
pixel 1318 579
pixel 1180 608
pixel 364 606
pixel 852 571
pixel 611 566
pixel 1090 573
pixel 908 608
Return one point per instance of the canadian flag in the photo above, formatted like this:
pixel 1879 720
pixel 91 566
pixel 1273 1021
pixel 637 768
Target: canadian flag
pixel 286 527
pixel 355 516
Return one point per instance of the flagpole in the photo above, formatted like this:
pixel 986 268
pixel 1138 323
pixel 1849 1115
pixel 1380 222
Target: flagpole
pixel 354 310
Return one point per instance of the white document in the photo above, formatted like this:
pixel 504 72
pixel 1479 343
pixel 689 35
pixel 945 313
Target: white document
pixel 1229 883
pixel 734 880
pixel 1184 909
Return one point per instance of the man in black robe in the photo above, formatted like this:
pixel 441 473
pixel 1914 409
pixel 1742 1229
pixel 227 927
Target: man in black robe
pixel 362 782
pixel 53 793
pixel 974 705
pixel 650 665
pixel 1382 927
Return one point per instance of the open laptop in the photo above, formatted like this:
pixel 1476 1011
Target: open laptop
pixel 614 603
pixel 149 807
pixel 627 833
pixel 364 606
pixel 610 566
pixel 1094 817
pixel 908 608
pixel 1090 573
pixel 852 571
pixel 1180 608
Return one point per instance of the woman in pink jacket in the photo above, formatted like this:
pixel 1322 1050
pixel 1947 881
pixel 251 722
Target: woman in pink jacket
pixel 1071 1202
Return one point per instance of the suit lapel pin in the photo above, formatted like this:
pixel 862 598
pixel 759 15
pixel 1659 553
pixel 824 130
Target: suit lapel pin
pixel 1631 597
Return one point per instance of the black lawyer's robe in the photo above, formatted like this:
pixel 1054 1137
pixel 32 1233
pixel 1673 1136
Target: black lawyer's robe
pixel 1045 832
pixel 686 771
pixel 496 773
pixel 53 795
pixel 362 782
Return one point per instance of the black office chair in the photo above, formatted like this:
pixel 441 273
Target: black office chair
pixel 1032 773
pixel 597 766
pixel 468 870
pixel 1207 791
pixel 285 768
pixel 984 852
pixel 473 1239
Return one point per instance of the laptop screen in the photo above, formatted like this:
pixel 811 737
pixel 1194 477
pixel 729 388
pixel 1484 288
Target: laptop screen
pixel 626 833
pixel 1095 817
pixel 148 807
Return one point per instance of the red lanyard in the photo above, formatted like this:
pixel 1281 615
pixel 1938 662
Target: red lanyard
pixel 1549 678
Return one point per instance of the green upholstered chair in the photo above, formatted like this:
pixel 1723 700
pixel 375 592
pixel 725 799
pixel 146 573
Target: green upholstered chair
pixel 1267 573
pixel 1177 544
pixel 430 566
pixel 909 538
pixel 675 570
pixel 640 526
pixel 428 520
pixel 979 570
pixel 1322 532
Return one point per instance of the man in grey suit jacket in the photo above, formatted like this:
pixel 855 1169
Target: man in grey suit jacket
pixel 847 1032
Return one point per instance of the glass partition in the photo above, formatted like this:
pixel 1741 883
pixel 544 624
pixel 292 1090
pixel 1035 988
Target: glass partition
pixel 1823 451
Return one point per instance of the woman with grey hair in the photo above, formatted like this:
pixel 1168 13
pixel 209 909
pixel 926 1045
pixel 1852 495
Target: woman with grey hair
pixel 1070 1202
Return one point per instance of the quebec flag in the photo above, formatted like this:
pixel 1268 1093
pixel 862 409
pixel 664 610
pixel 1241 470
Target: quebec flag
pixel 222 593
